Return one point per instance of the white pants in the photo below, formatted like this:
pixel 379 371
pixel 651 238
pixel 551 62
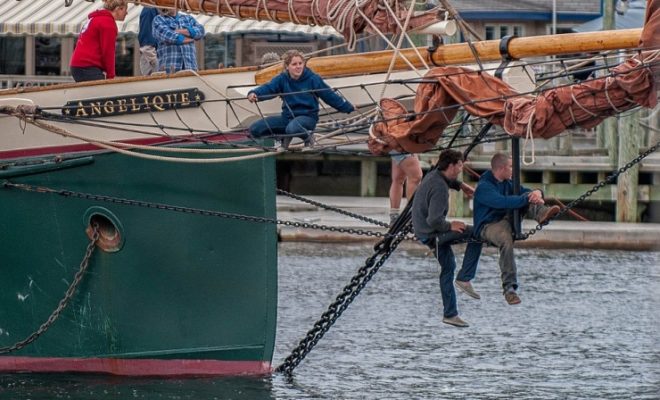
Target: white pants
pixel 148 60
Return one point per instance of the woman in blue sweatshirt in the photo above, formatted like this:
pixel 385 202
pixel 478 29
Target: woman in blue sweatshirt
pixel 300 89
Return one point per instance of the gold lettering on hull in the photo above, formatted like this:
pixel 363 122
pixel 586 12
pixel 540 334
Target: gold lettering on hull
pixel 136 103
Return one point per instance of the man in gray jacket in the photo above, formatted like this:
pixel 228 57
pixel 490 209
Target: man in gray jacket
pixel 429 212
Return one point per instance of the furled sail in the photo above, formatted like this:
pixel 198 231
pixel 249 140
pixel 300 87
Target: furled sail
pixel 349 17
pixel 631 84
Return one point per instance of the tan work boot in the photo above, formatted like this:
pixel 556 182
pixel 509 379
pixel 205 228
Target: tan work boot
pixel 466 287
pixel 455 321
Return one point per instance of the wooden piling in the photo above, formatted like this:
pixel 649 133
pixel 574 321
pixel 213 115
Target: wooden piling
pixel 629 133
pixel 368 178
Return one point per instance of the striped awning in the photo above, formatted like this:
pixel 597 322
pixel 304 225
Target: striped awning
pixel 51 17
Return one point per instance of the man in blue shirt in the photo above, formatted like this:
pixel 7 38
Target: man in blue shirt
pixel 494 202
pixel 148 44
pixel 176 34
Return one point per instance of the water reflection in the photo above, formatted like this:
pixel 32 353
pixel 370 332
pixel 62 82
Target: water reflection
pixel 587 328
pixel 104 387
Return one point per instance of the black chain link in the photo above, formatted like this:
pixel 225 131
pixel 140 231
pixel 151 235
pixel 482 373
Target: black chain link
pixel 332 208
pixel 190 210
pixel 384 249
pixel 65 301
pixel 609 179
pixel 358 282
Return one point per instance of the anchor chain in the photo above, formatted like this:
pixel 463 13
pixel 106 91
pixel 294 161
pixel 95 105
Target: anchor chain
pixel 190 210
pixel 388 245
pixel 609 179
pixel 65 301
pixel 332 208
pixel 358 282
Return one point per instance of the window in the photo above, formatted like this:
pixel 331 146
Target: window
pixel 47 53
pixel 124 50
pixel 518 31
pixel 12 55
pixel 500 31
pixel 214 51
pixel 490 32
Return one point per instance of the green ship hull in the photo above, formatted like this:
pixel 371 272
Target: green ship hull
pixel 176 293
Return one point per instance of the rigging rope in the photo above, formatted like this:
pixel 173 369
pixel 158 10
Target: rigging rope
pixel 340 126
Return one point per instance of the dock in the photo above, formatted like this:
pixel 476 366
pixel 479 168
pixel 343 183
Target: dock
pixel 565 167
pixel 563 234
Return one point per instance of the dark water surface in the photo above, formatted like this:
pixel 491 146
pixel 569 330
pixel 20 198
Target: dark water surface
pixel 588 327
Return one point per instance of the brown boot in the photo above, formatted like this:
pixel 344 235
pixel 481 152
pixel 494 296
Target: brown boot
pixel 512 298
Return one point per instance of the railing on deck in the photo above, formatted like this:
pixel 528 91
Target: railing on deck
pixel 13 81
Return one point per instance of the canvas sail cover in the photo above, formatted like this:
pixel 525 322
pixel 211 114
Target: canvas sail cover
pixel 348 17
pixel 631 84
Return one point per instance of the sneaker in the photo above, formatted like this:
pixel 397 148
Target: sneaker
pixel 393 218
pixel 512 298
pixel 466 287
pixel 455 321
pixel 548 214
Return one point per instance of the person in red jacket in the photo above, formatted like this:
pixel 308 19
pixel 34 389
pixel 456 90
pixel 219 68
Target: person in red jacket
pixel 94 55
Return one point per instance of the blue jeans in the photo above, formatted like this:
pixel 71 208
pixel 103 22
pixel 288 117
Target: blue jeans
pixel 301 127
pixel 445 256
pixel 83 74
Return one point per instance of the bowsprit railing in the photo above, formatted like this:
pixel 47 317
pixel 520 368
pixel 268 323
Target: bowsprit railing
pixel 15 81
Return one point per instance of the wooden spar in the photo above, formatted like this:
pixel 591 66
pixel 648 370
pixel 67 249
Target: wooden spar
pixel 219 7
pixel 263 13
pixel 460 53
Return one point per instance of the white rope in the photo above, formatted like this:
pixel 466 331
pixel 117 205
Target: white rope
pixel 577 103
pixel 389 43
pixel 116 147
pixel 398 47
pixel 404 30
pixel 529 137
pixel 8 99
pixel 608 82
pixel 233 13
pixel 220 93
pixel 292 12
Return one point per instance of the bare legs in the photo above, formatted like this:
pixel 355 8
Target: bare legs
pixel 408 172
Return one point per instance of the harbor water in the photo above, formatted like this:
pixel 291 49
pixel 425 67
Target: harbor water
pixel 588 328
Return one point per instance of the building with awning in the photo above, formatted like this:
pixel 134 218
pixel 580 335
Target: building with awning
pixel 44 32
pixel 39 17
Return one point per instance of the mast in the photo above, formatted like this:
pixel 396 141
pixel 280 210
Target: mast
pixel 460 53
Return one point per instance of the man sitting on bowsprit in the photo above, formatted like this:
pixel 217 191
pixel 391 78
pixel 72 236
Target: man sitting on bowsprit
pixel 493 203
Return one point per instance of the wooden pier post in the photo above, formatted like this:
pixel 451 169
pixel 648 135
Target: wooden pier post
pixel 629 134
pixel 457 201
pixel 611 141
pixel 368 178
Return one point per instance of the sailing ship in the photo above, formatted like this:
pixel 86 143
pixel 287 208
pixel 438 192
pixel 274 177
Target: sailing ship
pixel 138 216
